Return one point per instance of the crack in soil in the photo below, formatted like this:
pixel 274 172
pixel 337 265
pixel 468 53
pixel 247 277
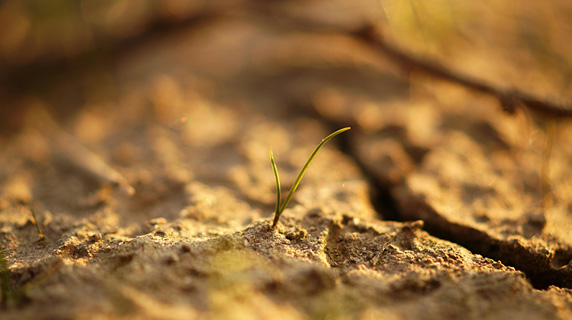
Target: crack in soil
pixel 379 192
pixel 537 267
pixel 541 270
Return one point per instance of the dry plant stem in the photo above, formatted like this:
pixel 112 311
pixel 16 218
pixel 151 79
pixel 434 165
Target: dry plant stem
pixel 69 149
pixel 86 160
pixel 281 208
pixel 40 233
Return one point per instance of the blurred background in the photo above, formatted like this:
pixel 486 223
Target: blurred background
pixel 98 69
pixel 46 43
pixel 524 45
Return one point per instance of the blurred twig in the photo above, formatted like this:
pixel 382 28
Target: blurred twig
pixel 510 99
pixel 80 156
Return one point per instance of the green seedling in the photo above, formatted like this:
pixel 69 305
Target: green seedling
pixel 40 233
pixel 280 207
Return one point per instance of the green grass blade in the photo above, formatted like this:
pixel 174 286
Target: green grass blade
pixel 40 234
pixel 278 190
pixel 297 182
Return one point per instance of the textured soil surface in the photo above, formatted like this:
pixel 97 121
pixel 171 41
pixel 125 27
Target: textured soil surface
pixel 148 171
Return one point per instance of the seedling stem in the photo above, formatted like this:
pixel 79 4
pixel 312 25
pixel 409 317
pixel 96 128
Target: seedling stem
pixel 40 233
pixel 281 207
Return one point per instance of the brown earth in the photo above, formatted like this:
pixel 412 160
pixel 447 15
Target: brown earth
pixel 148 170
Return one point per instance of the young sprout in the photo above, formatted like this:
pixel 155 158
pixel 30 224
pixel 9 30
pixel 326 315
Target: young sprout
pixel 280 207
pixel 40 233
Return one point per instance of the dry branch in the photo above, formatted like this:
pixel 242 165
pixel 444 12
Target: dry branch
pixel 510 99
